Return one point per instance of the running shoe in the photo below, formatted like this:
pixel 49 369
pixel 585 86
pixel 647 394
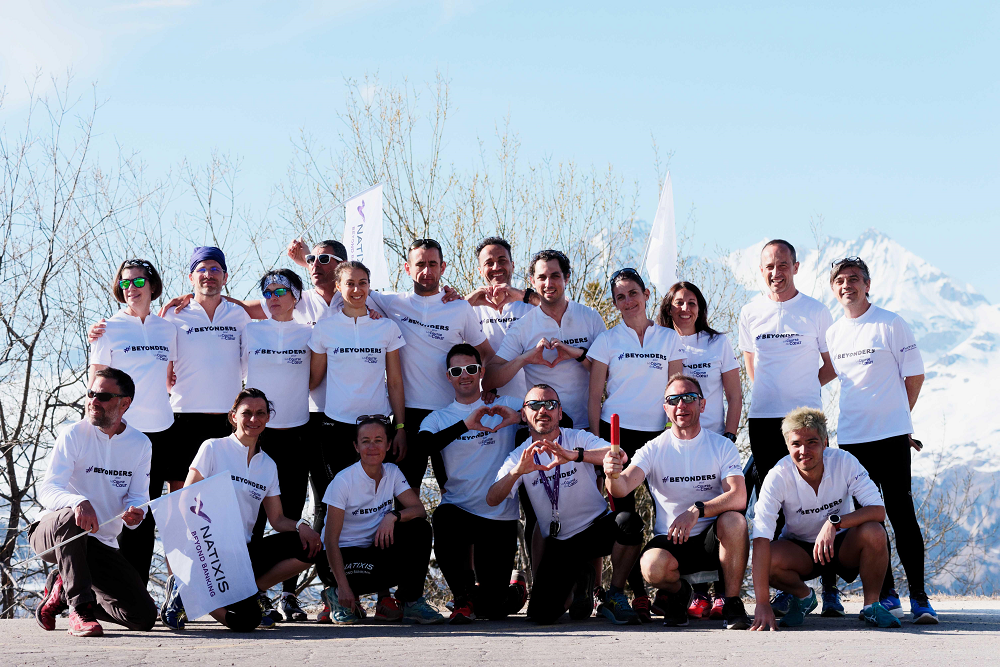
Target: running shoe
pixel 290 608
pixel 717 604
pixel 660 604
pixel 324 616
pixel 832 608
pixel 422 613
pixel 267 609
pixel 781 603
pixel 892 604
pixel 922 612
pixel 877 615
pixel 675 613
pixel 83 623
pixel 52 603
pixel 617 609
pixel 339 615
pixel 583 596
pixel 798 610
pixel 172 612
pixel 734 613
pixel 641 606
pixel 463 614
pixel 517 594
pixel 389 610
pixel 700 606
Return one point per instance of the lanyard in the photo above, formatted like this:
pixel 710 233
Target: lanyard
pixel 551 492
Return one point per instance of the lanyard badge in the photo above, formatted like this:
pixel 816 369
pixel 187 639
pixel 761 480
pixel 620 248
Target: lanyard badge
pixel 552 491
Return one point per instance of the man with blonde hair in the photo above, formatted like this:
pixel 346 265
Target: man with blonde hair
pixel 814 486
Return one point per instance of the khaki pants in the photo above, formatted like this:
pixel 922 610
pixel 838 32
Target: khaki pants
pixel 92 571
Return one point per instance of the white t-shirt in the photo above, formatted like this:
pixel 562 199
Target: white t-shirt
pixel 786 339
pixel 355 364
pixel 252 482
pixel 681 472
pixel 806 510
pixel 209 365
pixel 430 328
pixel 141 349
pixel 353 491
pixel 580 502
pixel 278 364
pixel 495 324
pixel 111 472
pixel 707 360
pixel 310 309
pixel 637 373
pixel 872 354
pixel 472 458
pixel 580 327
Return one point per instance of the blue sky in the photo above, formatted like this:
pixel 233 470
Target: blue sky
pixel 870 116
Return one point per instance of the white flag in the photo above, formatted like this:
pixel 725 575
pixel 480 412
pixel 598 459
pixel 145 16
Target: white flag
pixel 363 234
pixel 661 251
pixel 202 534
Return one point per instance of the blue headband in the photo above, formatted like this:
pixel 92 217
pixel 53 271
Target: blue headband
pixel 204 252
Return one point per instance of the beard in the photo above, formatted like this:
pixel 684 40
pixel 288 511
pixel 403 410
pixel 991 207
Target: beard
pixel 100 420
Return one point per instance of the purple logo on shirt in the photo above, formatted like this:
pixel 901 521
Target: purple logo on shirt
pixel 197 507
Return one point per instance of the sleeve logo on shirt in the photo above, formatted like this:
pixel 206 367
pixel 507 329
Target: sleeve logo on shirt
pixel 817 510
pixel 909 348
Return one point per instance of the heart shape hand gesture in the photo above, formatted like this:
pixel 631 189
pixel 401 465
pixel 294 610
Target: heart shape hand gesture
pixel 474 422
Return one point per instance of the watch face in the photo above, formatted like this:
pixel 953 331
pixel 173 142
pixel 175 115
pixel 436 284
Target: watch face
pixel 834 518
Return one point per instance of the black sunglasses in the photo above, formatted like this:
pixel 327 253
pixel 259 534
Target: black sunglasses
pixel 471 369
pixel 373 418
pixel 549 404
pixel 689 397
pixel 103 396
pixel 425 243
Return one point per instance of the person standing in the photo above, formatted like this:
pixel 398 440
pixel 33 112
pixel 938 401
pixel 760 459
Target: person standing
pixel 881 372
pixel 142 345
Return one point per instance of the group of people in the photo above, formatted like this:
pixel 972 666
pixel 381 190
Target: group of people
pixel 511 395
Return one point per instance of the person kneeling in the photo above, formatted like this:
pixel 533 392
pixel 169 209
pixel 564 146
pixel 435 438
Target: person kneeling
pixel 573 516
pixel 274 558
pixel 370 546
pixel 698 487
pixel 812 486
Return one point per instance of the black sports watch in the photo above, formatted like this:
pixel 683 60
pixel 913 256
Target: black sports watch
pixel 579 454
pixel 731 436
pixel 701 508
pixel 835 520
pixel 397 514
pixel 582 356
pixel 527 294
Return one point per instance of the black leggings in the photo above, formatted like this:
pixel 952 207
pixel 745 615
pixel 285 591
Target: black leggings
pixel 630 441
pixel 403 563
pixel 288 448
pixel 469 547
pixel 888 463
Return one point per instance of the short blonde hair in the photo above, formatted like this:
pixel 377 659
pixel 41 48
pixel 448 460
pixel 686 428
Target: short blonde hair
pixel 802 418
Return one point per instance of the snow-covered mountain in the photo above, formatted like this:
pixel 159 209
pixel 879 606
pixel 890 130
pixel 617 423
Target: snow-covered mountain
pixel 958 332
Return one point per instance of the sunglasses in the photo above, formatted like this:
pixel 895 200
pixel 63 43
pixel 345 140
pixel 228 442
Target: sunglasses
pixel 846 260
pixel 214 270
pixel 471 369
pixel 627 271
pixel 103 396
pixel 425 243
pixel 125 282
pixel 549 404
pixel 281 291
pixel 325 258
pixel 689 397
pixel 373 418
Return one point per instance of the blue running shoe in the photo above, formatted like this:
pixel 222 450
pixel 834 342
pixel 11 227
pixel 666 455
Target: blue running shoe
pixel 832 608
pixel 617 610
pixel 797 611
pixel 877 615
pixel 922 612
pixel 172 612
pixel 892 604
pixel 781 603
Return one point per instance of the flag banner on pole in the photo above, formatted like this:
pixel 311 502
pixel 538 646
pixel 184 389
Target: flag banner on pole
pixel 661 251
pixel 202 534
pixel 363 234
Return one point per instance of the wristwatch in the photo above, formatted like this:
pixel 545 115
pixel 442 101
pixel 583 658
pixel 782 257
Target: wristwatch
pixel 396 513
pixel 701 508
pixel 731 436
pixel 579 454
pixel 300 523
pixel 527 294
pixel 835 520
pixel 582 356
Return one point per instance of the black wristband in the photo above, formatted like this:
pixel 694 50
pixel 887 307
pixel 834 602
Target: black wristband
pixel 582 356
pixel 579 454
pixel 397 514
pixel 731 436
pixel 527 295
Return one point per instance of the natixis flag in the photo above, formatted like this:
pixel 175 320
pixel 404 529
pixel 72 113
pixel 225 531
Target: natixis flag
pixel 202 534
pixel 660 259
pixel 363 234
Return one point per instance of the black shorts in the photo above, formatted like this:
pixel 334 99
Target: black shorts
pixel 699 554
pixel 848 574
pixel 174 452
pixel 266 552
pixel 599 538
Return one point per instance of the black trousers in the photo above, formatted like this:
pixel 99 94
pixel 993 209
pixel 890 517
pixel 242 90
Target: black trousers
pixel 888 463
pixel 470 548
pixel 94 572
pixel 630 441
pixel 414 464
pixel 767 445
pixel 403 563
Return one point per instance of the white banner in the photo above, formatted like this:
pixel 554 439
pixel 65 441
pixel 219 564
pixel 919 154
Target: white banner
pixel 202 534
pixel 363 234
pixel 661 251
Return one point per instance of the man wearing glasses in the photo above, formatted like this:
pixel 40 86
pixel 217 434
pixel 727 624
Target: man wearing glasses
pixel 556 466
pixel 98 470
pixel 431 327
pixel 697 484
pixel 473 541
